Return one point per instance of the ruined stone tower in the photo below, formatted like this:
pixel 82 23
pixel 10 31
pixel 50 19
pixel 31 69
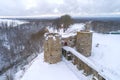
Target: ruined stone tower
pixel 84 43
pixel 52 48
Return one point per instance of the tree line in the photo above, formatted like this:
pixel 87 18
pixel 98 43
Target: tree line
pixel 63 22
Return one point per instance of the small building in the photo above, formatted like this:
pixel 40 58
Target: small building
pixel 52 48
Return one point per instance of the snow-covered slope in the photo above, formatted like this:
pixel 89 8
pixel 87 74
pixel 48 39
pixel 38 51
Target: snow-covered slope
pixel 44 71
pixel 71 31
pixel 107 54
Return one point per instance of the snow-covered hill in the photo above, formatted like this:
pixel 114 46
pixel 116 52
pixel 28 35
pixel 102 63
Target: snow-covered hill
pixel 105 54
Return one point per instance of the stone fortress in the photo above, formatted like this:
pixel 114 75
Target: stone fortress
pixel 82 42
pixel 52 48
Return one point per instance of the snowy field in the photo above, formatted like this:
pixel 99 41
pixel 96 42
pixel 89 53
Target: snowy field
pixel 105 56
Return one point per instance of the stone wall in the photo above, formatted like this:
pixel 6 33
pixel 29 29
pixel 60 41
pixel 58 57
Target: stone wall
pixel 69 40
pixel 87 70
pixel 84 43
pixel 52 48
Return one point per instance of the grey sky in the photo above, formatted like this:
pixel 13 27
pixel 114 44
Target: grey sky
pixel 39 7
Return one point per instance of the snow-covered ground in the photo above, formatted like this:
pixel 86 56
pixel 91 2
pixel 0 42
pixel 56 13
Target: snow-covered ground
pixel 105 56
pixel 71 31
pixel 14 22
pixel 44 71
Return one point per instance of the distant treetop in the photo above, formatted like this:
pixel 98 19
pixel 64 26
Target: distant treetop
pixel 64 21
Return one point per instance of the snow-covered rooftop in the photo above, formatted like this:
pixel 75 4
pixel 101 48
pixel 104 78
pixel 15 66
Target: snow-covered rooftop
pixel 51 35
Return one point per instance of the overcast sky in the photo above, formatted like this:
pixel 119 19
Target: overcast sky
pixel 39 7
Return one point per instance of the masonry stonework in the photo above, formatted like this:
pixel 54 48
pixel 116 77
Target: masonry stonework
pixel 84 43
pixel 52 48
